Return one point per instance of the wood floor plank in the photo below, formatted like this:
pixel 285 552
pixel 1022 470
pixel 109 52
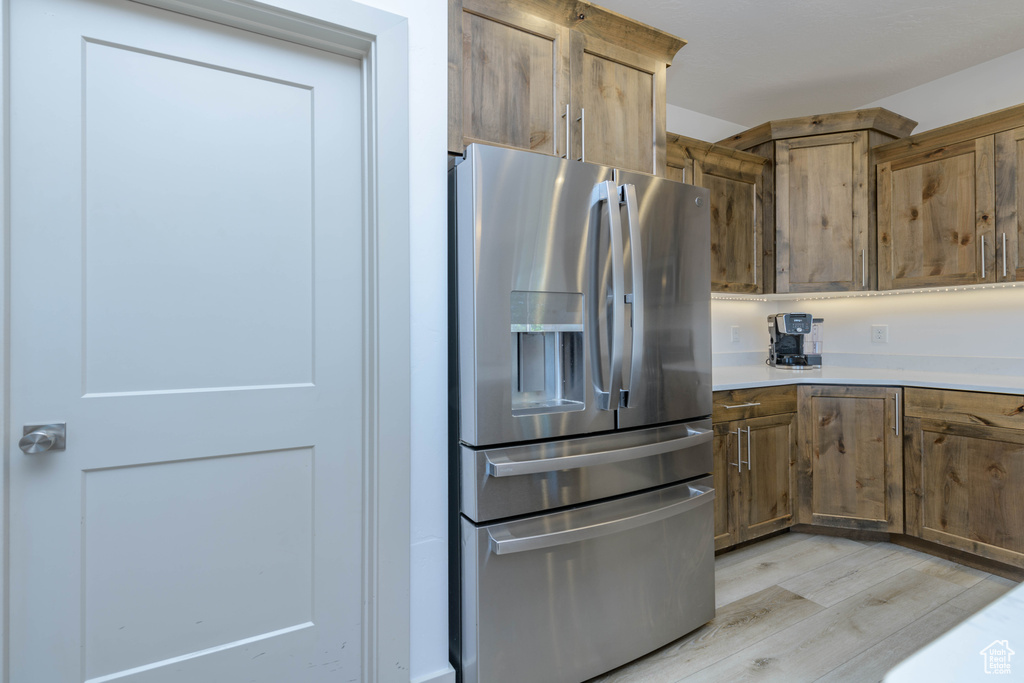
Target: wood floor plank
pixel 760 548
pixel 836 581
pixel 767 569
pixel 875 662
pixel 745 621
pixel 820 643
pixel 950 571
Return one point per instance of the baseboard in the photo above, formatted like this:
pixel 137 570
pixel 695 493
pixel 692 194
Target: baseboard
pixel 852 534
pixel 446 676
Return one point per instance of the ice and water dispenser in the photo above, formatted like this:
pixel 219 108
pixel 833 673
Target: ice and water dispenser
pixel 547 353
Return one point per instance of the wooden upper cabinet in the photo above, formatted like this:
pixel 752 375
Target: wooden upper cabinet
pixel 949 203
pixel 735 181
pixel 560 77
pixel 514 78
pixel 1010 204
pixel 821 204
pixel 619 101
pixel 819 222
pixel 936 217
pixel 850 465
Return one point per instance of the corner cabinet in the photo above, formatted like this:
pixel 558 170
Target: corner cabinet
pixel 560 77
pixel 755 436
pixel 965 471
pixel 819 226
pixel 850 464
pixel 735 181
pixel 949 204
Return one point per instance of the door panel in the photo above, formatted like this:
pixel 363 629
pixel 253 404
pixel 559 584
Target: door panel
pixel 674 382
pixel 767 487
pixel 533 267
pixel 181 178
pixel 725 472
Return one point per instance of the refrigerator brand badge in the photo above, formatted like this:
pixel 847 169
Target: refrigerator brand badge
pixel 997 657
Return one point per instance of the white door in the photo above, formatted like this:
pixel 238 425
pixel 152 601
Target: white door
pixel 186 212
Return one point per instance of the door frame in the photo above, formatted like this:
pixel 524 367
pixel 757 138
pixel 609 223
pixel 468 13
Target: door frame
pixel 380 41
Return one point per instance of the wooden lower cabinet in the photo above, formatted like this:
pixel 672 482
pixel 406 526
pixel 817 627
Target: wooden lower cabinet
pixel 754 477
pixel 964 476
pixel 850 464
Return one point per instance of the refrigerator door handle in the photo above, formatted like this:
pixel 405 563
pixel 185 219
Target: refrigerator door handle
pixel 636 299
pixel 504 466
pixel 503 541
pixel 606 192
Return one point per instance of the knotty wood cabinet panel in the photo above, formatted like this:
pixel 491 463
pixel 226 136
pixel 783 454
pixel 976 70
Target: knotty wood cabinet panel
pixel 963 487
pixel 821 202
pixel 514 79
pixel 850 467
pixel 754 470
pixel 936 217
pixel 735 181
pixel 619 100
pixel 561 77
pixel 1010 205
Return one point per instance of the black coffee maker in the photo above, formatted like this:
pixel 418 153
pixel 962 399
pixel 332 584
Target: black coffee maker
pixel 791 343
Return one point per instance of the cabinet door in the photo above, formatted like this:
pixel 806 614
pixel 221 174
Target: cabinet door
pixel 821 205
pixel 850 470
pixel 736 224
pixel 1010 205
pixel 508 78
pixel 963 487
pixel 936 217
pixel 618 106
pixel 766 485
pixel 725 470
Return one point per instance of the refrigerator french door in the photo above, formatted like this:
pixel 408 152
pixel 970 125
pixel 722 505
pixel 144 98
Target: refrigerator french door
pixel 580 494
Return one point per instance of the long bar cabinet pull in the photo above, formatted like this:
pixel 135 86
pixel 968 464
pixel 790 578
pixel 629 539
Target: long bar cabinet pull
pixel 739 449
pixel 896 413
pixel 864 268
pixel 982 257
pixel 583 134
pixel 741 405
pixel 749 451
pixel 568 125
pixel 1004 254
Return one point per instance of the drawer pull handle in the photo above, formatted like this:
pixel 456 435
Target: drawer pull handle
pixel 741 405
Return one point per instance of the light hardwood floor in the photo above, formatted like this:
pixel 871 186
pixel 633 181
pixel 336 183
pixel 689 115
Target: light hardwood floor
pixel 802 607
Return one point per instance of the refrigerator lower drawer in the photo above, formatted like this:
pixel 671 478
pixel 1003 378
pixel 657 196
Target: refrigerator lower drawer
pixel 566 596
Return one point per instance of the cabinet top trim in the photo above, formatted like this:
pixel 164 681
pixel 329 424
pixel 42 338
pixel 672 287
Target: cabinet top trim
pixel 594 21
pixel 681 149
pixel 876 118
pixel 979 126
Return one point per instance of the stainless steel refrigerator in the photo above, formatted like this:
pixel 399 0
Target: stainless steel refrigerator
pixel 581 520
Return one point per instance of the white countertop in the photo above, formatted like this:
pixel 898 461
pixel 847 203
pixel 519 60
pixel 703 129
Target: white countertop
pixel 957 654
pixel 743 376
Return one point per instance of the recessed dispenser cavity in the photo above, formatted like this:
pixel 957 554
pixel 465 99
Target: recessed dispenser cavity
pixel 547 352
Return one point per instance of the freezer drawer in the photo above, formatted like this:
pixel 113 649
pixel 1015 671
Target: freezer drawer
pixel 563 597
pixel 530 478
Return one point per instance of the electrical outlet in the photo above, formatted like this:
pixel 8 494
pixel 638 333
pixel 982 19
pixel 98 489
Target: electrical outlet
pixel 735 334
pixel 880 334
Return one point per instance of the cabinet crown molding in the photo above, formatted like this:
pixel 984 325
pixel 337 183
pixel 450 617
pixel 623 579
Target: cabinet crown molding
pixel 979 126
pixel 682 149
pixel 594 21
pixel 876 118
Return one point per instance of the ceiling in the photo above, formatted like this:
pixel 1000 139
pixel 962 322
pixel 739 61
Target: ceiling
pixel 750 61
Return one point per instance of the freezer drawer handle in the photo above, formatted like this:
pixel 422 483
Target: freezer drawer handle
pixel 504 466
pixel 502 542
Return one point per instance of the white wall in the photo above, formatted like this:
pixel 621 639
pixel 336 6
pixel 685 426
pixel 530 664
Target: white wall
pixel 989 86
pixel 693 124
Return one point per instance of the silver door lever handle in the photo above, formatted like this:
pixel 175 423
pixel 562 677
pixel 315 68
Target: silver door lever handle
pixel 43 438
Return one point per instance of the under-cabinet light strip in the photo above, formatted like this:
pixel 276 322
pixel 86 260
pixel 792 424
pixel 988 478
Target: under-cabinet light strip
pixel 726 296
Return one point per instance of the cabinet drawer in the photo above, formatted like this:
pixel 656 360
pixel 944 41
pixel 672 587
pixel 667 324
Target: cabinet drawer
pixel 739 404
pixel 965 407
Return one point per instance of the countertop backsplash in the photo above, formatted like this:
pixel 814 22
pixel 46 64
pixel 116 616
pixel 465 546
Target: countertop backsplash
pixel 978 331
